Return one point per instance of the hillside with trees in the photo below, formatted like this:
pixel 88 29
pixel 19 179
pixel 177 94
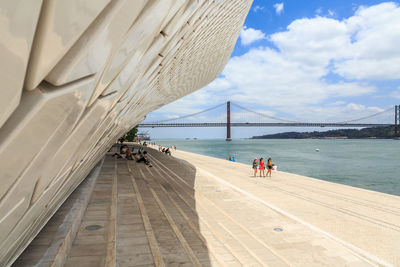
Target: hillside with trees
pixel 374 132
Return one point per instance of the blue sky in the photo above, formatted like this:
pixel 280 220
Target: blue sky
pixel 305 61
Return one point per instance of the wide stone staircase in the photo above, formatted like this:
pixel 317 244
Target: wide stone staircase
pixel 173 214
pixel 139 215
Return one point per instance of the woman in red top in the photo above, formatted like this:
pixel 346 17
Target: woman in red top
pixel 262 167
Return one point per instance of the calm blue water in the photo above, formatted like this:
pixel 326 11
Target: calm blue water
pixel 369 164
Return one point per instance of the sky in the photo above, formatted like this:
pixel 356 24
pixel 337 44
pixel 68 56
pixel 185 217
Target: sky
pixel 308 61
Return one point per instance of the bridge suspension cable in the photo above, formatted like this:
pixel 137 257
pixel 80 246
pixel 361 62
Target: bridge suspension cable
pixel 190 115
pixel 366 117
pixel 265 115
pixel 262 114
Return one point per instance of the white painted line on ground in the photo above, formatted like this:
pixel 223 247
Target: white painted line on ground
pixel 366 256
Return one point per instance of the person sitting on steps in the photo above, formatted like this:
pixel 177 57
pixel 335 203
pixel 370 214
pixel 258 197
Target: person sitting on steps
pixel 143 158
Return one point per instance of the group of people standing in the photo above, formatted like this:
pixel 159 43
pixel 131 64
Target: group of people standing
pixel 260 165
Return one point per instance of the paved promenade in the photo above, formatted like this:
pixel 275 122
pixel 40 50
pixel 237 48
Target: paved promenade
pixel 323 223
pixel 192 210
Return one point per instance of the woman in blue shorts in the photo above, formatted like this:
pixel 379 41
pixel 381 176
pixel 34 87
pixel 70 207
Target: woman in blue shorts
pixel 255 165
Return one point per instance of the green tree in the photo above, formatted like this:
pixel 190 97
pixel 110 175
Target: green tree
pixel 130 136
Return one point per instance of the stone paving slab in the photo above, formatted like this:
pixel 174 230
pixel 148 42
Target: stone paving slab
pixel 364 223
pixel 177 213
pixel 52 245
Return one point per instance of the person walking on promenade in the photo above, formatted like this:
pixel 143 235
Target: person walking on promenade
pixel 255 165
pixel 262 167
pixel 269 167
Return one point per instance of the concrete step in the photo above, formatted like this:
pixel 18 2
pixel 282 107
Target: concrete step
pixel 132 221
pixel 252 223
pixel 173 214
pixel 95 233
pixel 218 247
pixel 244 247
pixel 195 244
pixel 52 245
pixel 170 248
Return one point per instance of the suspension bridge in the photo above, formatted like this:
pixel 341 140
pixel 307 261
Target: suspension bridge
pixel 258 118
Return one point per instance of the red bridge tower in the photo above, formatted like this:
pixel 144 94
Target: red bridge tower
pixel 228 121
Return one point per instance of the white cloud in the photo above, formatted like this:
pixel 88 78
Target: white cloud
pixel 373 52
pixel 278 8
pixel 365 46
pixel 320 12
pixel 314 42
pixel 172 116
pixel 294 77
pixel 345 89
pixel 341 112
pixel 265 75
pixel 396 93
pixel 190 104
pixel 250 35
pixel 258 8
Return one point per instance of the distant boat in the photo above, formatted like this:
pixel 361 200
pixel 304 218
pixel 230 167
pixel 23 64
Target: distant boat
pixel 144 136
pixel 317 149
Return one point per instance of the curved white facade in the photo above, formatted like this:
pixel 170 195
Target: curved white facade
pixel 77 74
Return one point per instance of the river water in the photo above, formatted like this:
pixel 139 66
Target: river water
pixel 368 164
